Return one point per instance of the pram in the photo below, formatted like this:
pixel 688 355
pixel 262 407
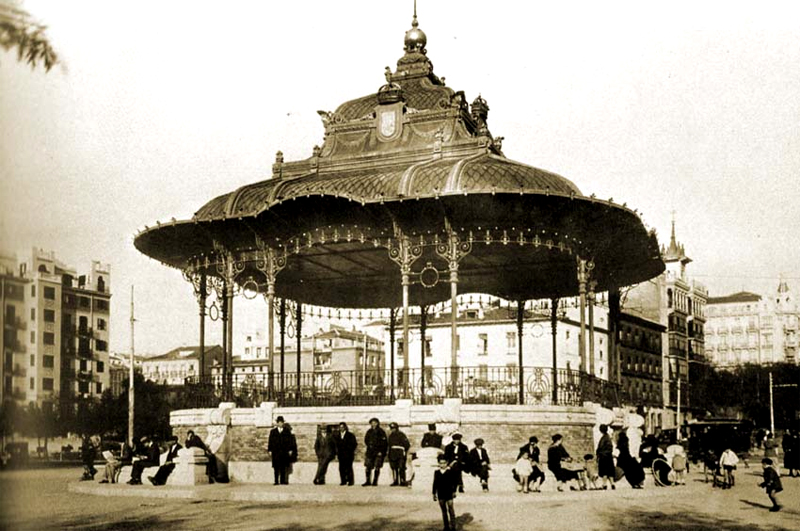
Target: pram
pixel 662 472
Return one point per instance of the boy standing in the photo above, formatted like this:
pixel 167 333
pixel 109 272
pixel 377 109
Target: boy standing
pixel 444 491
pixel 772 483
pixel 727 462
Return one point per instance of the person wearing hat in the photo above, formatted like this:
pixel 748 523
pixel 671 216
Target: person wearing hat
pixel 536 477
pixel 398 446
pixel 457 455
pixel 346 444
pixel 149 457
pixel 375 442
pixel 166 469
pixel 479 458
pixel 282 448
pixel 431 439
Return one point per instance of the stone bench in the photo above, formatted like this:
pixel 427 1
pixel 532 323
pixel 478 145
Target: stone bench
pixel 190 469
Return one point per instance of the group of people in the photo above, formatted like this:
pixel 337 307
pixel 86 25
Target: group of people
pixel 144 453
pixel 379 447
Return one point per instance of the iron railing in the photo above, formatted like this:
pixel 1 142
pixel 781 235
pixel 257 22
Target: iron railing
pixel 474 385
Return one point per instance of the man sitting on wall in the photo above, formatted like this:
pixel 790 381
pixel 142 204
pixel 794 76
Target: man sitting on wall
pixel 169 465
pixel 146 459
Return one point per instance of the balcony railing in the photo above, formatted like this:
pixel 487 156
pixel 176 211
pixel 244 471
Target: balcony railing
pixel 19 371
pixel 474 385
pixel 19 348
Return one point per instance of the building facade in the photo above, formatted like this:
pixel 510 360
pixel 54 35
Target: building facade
pixel 745 328
pixel 59 342
pixel 678 303
pixel 179 364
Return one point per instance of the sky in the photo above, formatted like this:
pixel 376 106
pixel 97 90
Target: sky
pixel 157 107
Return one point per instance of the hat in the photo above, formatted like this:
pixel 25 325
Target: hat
pixel 431 426
pixel 279 419
pixel 375 419
pixel 456 436
pixel 441 457
pixel 478 441
pixel 533 439
pixel 557 437
pixel 393 425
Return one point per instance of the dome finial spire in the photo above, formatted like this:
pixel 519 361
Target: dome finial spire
pixel 415 40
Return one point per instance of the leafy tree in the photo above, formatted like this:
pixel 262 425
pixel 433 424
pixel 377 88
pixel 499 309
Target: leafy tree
pixel 18 30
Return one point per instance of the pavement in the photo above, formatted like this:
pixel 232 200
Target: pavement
pixel 54 499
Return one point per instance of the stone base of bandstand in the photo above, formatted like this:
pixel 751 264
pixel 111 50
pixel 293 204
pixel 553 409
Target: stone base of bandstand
pixel 238 436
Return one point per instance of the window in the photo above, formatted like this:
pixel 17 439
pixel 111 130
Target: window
pixel 83 365
pixel 49 316
pixel 246 350
pixel 83 387
pixel 511 342
pixel 83 324
pixel 101 324
pixel 428 351
pixel 32 383
pixel 33 360
pixel 33 290
pixel 47 384
pixel 258 352
pixel 101 305
pixel 102 346
pixel 49 338
pixel 33 337
pixel 50 293
pixel 99 387
pixel 33 314
pixel 48 362
pixel 101 367
pixel 483 345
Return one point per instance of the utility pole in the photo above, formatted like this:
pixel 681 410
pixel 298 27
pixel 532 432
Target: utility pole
pixel 679 407
pixel 130 381
pixel 771 410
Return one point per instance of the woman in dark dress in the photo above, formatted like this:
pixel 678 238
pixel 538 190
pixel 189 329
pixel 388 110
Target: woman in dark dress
pixel 790 456
pixel 605 458
pixel 556 455
pixel 634 472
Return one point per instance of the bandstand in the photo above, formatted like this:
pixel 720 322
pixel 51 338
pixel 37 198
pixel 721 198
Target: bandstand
pixel 410 201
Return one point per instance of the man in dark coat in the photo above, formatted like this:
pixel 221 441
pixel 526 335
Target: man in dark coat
pixel 376 445
pixel 536 478
pixel 149 457
pixel 166 469
pixel 325 449
pixel 398 447
pixel 431 439
pixel 282 448
pixel 193 441
pixel 457 455
pixel 346 444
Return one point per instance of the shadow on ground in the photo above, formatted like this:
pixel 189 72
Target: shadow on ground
pixel 463 522
pixel 660 521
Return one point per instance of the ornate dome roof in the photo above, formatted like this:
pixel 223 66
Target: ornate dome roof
pixel 413 159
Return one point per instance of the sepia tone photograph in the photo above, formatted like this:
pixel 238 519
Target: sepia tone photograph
pixel 400 266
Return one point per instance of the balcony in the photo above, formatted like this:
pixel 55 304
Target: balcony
pixel 84 375
pixel 19 348
pixel 85 353
pixel 20 372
